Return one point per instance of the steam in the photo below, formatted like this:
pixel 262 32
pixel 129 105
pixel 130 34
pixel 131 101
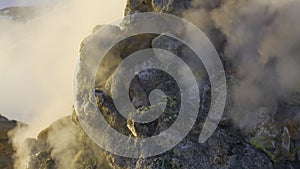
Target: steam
pixel 261 44
pixel 37 58
pixel 37 62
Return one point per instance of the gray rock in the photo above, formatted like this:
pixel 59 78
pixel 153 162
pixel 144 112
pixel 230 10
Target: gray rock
pixel 265 143
pixel 166 6
pixel 6 148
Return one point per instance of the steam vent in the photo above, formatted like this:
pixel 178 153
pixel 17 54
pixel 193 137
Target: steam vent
pixel 257 42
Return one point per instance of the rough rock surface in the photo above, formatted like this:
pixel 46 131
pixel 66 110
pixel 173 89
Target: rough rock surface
pixel 225 149
pixel 6 149
pixel 271 141
pixel 166 6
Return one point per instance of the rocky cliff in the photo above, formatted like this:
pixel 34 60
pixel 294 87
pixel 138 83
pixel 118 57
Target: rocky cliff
pixel 267 138
pixel 6 148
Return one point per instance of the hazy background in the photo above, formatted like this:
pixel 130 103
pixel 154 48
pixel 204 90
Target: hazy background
pixel 9 3
pixel 37 58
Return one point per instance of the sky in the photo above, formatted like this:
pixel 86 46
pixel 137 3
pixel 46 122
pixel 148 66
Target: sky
pixel 9 3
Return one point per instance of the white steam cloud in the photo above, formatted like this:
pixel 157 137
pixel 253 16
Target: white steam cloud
pixel 262 39
pixel 37 60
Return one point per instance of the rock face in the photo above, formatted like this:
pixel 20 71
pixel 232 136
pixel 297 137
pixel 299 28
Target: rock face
pixel 6 149
pixel 225 149
pixel 265 142
pixel 165 6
